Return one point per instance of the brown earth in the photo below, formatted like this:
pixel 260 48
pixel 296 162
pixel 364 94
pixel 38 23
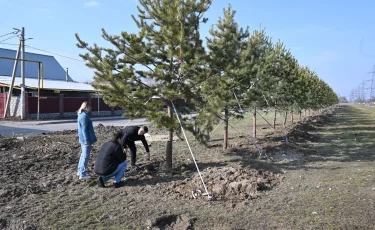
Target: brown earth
pixel 40 189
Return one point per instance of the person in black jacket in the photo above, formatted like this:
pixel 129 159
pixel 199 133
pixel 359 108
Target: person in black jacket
pixel 132 134
pixel 111 161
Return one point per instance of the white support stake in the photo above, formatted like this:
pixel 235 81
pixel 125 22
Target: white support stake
pixel 210 197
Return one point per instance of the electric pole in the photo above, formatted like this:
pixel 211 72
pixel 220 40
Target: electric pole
pixel 372 92
pixel 358 94
pixel 363 93
pixel 23 104
pixel 7 105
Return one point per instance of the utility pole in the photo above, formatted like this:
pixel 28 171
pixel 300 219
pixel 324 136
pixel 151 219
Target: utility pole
pixel 358 95
pixel 372 92
pixel 23 104
pixel 351 96
pixel 7 105
pixel 363 93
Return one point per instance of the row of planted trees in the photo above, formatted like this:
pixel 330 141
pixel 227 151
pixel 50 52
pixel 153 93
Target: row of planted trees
pixel 167 60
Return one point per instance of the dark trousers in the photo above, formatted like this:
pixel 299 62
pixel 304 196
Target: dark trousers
pixel 133 151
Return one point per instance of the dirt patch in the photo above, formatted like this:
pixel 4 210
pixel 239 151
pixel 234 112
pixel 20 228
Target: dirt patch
pixel 227 183
pixel 285 156
pixel 27 160
pixel 106 130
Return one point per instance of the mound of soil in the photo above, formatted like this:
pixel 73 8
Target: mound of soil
pixel 226 183
pixel 106 130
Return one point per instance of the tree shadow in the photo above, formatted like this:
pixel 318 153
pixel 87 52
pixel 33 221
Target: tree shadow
pixel 152 174
pixel 317 139
pixel 156 179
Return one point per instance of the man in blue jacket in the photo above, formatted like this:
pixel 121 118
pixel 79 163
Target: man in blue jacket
pixel 132 134
pixel 111 161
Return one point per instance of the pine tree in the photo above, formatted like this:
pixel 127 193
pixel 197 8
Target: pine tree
pixel 292 84
pixel 274 67
pixel 254 82
pixel 224 60
pixel 302 90
pixel 284 68
pixel 163 61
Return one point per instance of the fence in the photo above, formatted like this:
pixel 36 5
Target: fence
pixel 3 98
pixel 56 107
pixel 60 106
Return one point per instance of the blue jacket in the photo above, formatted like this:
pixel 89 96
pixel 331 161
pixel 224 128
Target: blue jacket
pixel 85 129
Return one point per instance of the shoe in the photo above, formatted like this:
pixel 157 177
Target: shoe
pixel 84 177
pixel 78 174
pixel 100 182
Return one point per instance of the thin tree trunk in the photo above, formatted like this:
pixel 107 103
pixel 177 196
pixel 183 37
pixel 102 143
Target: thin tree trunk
pixel 169 142
pixel 291 117
pixel 300 115
pixel 274 120
pixel 226 120
pixel 305 112
pixel 255 123
pixel 309 112
pixel 286 117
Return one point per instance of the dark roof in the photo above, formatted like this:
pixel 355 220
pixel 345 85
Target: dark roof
pixel 52 69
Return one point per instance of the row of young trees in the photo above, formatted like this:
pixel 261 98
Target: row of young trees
pixel 167 60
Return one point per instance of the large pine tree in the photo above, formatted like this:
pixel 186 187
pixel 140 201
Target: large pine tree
pixel 163 60
pixel 224 59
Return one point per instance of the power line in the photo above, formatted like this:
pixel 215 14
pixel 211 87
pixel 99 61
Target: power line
pixel 13 44
pixel 55 54
pixel 8 38
pixel 7 34
pixel 9 44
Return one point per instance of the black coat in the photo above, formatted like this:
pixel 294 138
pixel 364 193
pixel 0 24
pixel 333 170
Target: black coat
pixel 110 155
pixel 130 133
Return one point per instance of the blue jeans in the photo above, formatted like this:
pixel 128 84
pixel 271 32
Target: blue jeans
pixel 118 173
pixel 85 155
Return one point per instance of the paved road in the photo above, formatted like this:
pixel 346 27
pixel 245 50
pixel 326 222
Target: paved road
pixel 8 128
